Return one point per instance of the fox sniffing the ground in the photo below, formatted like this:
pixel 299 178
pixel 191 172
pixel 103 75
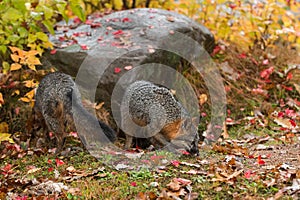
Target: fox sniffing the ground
pixel 146 103
pixel 58 102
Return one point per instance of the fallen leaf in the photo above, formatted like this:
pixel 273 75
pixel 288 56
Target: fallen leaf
pixel 117 70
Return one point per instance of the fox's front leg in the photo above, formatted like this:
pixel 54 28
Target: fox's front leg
pixel 128 141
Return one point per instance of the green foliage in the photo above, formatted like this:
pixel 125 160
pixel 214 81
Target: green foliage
pixel 23 23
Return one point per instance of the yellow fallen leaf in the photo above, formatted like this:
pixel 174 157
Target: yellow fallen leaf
pixel 1 99
pixel 15 66
pixel 24 99
pixel 6 137
pixel 32 67
pixel 202 99
pixel 15 57
pixel 29 83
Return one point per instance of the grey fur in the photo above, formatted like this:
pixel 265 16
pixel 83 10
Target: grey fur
pixel 147 109
pixel 58 102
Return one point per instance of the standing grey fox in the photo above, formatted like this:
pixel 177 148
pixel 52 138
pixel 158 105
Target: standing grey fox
pixel 147 104
pixel 57 102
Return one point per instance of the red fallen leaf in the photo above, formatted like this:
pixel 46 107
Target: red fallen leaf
pixel 247 174
pixel 242 55
pixel 115 44
pixel 287 88
pixel 290 112
pixel 17 110
pixel 59 162
pixel 145 161
pixel 96 25
pixel 297 102
pixel 76 20
pixel 74 134
pixel 7 167
pixel 265 62
pixel 21 198
pixel 185 152
pixel 229 120
pixel 265 74
pixel 232 5
pixel 203 114
pixel 227 88
pixel 118 32
pixel 100 38
pixel 49 161
pixel 289 76
pixel 117 70
pixel 280 114
pixel 126 19
pixel 6 170
pixel 156 157
pixel 293 123
pixel 260 161
pixel 254 61
pixel 133 184
pixel 84 47
pixel 53 51
pixel 216 50
pixel 175 163
pixel 50 169
pixel 88 22
pixel 283 129
pixel 251 156
pixel 61 38
pixel 260 91
pixel 183 181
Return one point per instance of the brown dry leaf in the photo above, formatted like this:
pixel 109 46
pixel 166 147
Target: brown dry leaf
pixel 174 185
pixel 183 181
pixel 141 196
pixel 285 123
pixel 227 177
pixel 4 127
pixel 71 169
pixel 269 183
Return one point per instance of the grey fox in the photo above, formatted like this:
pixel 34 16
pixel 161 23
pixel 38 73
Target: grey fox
pixel 147 103
pixel 57 102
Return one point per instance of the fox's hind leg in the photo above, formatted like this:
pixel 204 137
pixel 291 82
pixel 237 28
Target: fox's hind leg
pixel 54 118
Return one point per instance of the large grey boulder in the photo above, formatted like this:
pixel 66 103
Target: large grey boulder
pixel 109 46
